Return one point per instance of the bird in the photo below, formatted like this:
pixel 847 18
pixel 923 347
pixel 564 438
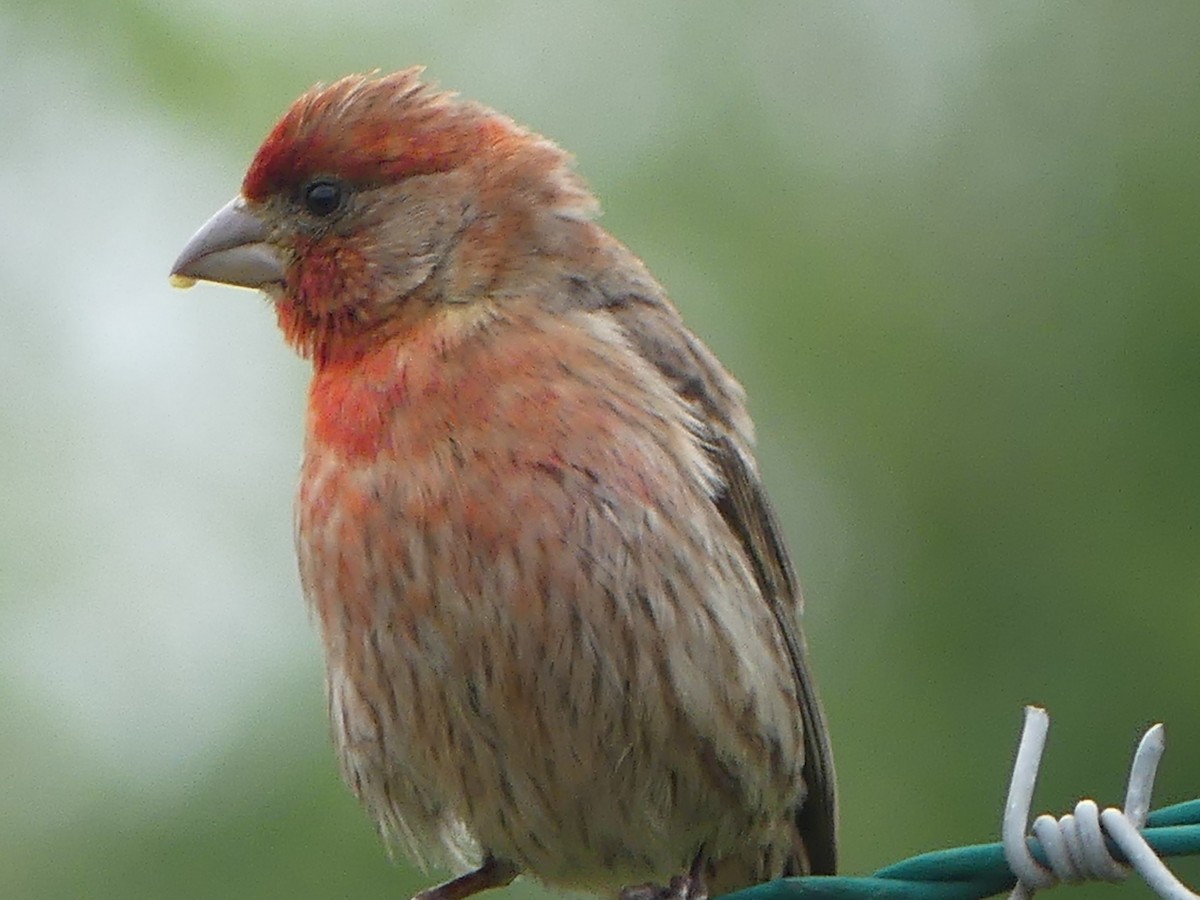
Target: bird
pixel 561 628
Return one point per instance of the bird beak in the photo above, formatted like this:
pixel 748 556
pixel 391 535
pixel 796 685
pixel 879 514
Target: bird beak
pixel 230 248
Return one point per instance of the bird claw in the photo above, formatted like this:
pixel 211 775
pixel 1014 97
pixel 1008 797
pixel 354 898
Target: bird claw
pixel 492 873
pixel 682 887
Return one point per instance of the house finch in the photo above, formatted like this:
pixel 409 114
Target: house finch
pixel 560 625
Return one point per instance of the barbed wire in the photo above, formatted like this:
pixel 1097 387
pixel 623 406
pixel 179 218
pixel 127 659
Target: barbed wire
pixel 1088 844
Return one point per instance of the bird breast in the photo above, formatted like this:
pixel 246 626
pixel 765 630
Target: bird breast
pixel 541 641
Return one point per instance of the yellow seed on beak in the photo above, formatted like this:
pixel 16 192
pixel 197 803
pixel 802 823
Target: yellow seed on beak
pixel 182 282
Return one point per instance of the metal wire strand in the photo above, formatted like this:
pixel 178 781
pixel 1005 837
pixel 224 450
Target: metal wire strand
pixel 1076 845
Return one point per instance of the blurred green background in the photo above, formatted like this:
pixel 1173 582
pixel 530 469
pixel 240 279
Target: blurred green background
pixel 950 248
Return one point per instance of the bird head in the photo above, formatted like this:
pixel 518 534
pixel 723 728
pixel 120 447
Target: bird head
pixel 376 200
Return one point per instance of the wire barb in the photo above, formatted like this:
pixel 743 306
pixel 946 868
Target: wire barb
pixel 1076 846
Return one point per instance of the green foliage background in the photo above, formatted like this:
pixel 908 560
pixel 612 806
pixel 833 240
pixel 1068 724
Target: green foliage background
pixel 950 248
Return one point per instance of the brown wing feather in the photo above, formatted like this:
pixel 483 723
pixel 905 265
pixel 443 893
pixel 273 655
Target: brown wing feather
pixel 657 332
pixel 744 506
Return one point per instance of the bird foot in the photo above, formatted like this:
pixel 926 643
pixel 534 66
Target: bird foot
pixel 493 873
pixel 682 887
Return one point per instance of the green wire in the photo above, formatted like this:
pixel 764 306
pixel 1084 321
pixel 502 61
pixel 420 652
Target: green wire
pixel 966 873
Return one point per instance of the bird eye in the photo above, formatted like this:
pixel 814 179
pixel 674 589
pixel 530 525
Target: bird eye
pixel 322 197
